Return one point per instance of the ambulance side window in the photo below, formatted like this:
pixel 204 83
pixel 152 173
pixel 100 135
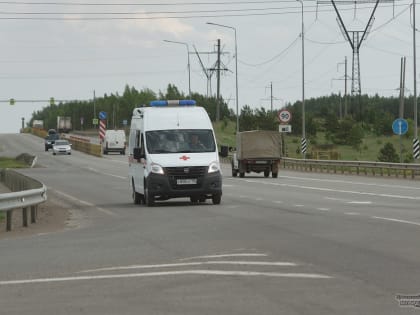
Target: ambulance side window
pixel 142 150
pixel 137 145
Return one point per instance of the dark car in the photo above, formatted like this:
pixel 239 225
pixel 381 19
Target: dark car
pixel 50 140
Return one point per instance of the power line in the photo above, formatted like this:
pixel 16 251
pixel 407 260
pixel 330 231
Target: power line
pixel 141 4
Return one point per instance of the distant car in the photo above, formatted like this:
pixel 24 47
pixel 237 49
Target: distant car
pixel 61 147
pixel 50 140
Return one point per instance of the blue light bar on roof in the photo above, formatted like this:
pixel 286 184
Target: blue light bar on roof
pixel 163 103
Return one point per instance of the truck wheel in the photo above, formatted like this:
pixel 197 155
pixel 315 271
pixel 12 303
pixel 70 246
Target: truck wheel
pixel 241 174
pixel 194 199
pixel 216 199
pixel 266 173
pixel 137 198
pixel 274 175
pixel 149 200
pixel 105 152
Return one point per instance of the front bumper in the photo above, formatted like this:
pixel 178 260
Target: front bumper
pixel 168 185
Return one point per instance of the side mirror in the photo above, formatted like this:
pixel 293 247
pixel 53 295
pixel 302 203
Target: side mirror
pixel 137 154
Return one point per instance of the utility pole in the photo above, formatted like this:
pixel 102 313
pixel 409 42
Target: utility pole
pixel 271 97
pixel 402 88
pixel 218 82
pixel 416 146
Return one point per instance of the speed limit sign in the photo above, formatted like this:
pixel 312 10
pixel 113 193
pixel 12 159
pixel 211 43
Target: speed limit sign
pixel 284 116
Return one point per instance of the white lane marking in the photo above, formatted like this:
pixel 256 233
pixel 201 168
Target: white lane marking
pixel 225 255
pixel 352 213
pixel 349 201
pixel 169 273
pixel 323 209
pixel 335 190
pixel 299 206
pixel 108 212
pixel 278 201
pixel 397 220
pixel 117 176
pixel 198 263
pixel 108 174
pixel 351 182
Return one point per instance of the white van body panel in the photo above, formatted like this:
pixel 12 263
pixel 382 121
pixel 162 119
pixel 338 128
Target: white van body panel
pixel 161 119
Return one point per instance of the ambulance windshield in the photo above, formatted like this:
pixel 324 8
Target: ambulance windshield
pixel 180 141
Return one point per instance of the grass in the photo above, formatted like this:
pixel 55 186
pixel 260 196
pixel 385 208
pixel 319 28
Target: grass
pixel 369 150
pixel 6 162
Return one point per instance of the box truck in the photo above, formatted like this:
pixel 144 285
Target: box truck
pixel 173 154
pixel 257 151
pixel 63 124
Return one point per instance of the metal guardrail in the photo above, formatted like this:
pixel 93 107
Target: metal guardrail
pixel 404 170
pixel 26 192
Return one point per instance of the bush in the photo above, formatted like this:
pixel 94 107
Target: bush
pixel 388 154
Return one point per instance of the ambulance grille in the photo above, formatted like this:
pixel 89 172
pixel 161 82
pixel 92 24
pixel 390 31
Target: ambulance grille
pixel 191 172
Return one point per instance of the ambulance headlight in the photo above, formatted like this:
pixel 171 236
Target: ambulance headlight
pixel 214 167
pixel 157 169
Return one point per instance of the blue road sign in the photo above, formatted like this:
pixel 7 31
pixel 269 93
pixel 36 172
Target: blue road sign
pixel 102 115
pixel 400 126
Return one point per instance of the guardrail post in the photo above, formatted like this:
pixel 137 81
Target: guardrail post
pixel 9 220
pixel 25 217
pixel 34 210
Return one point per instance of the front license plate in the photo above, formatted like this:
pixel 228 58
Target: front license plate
pixel 187 181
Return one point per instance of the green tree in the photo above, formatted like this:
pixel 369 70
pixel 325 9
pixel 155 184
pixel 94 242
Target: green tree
pixel 388 153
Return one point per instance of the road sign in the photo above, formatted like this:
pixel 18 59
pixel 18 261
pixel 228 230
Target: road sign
pixel 284 116
pixel 95 121
pixel 285 128
pixel 102 115
pixel 400 126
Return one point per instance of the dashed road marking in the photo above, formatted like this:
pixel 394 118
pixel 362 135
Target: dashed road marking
pixel 323 209
pixel 397 220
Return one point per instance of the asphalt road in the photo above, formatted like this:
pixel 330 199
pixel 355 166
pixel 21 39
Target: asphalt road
pixel 298 244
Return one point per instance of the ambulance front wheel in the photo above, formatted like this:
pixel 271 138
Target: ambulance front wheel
pixel 149 199
pixel 216 199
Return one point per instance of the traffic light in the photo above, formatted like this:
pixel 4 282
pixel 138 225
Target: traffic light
pixel 52 102
pixel 12 101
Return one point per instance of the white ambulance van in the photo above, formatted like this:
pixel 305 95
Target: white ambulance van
pixel 114 141
pixel 173 153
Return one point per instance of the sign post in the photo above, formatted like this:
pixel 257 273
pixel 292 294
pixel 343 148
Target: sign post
pixel 400 127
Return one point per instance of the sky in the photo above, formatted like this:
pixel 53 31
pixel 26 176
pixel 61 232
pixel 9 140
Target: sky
pixel 71 49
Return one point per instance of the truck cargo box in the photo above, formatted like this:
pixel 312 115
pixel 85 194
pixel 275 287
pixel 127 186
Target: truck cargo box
pixel 258 144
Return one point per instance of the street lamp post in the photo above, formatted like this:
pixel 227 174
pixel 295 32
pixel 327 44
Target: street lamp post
pixel 189 68
pixel 236 70
pixel 303 148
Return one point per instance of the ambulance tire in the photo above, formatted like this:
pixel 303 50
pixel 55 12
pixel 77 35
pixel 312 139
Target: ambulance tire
pixel 137 198
pixel 216 199
pixel 149 199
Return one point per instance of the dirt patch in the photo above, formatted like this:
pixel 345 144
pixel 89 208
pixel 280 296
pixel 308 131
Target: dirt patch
pixel 51 217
